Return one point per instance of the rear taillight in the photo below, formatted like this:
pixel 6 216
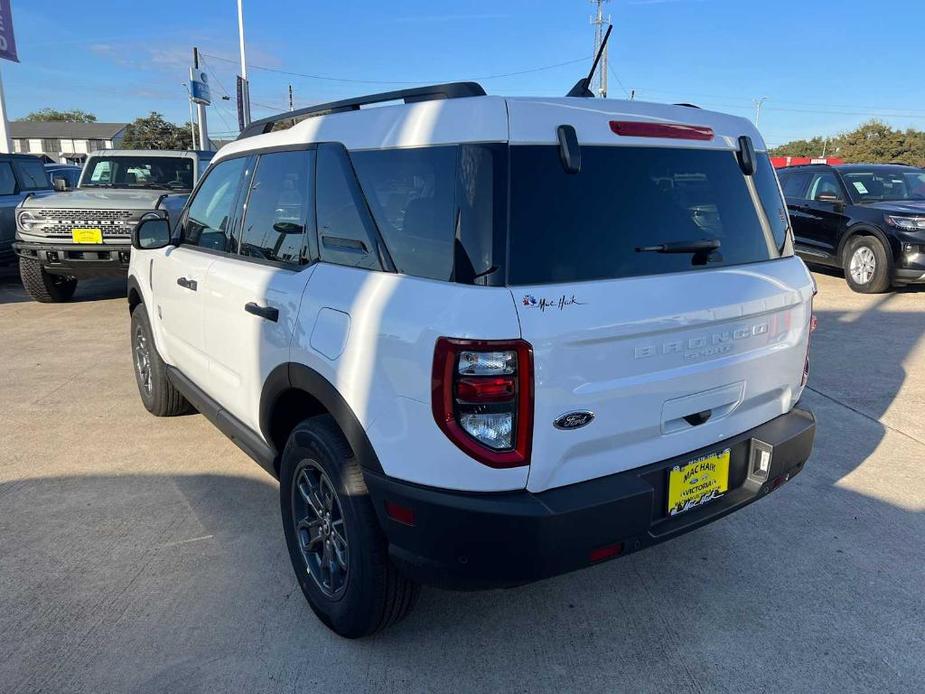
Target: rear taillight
pixel 482 394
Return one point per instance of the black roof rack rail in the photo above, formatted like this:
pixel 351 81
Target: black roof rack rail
pixel 451 90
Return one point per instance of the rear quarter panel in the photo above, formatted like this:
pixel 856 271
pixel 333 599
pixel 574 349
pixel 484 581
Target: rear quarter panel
pixel 372 336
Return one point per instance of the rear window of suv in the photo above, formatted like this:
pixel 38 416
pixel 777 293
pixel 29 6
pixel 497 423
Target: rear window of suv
pixel 586 226
pixel 497 214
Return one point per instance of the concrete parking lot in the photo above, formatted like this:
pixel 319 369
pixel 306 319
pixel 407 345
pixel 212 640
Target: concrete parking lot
pixel 143 554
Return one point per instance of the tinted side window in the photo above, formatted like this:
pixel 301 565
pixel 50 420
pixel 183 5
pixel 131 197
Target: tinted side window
pixel 7 179
pixel 33 175
pixel 209 220
pixel 794 185
pixel 345 229
pixel 412 198
pixel 278 207
pixel 824 183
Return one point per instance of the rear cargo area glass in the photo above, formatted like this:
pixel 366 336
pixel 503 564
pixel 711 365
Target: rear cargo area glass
pixel 586 226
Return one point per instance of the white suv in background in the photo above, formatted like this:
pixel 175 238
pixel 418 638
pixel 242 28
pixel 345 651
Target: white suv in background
pixel 481 340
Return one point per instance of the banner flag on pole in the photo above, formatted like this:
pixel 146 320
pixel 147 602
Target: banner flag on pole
pixel 7 39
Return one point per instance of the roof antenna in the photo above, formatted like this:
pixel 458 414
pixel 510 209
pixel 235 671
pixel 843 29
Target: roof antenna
pixel 583 86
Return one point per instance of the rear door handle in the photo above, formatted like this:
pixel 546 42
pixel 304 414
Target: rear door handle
pixel 187 284
pixel 267 312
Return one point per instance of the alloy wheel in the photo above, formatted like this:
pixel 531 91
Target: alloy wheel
pixel 863 265
pixel 143 360
pixel 319 529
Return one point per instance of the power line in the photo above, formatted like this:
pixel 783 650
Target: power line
pixel 619 81
pixel 395 82
pixel 211 72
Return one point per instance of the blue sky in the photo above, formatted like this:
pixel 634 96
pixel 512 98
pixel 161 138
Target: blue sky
pixel 825 65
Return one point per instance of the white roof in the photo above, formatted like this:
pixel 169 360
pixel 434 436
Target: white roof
pixel 517 120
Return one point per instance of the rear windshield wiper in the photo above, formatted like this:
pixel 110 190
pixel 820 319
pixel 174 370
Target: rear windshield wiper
pixel 702 246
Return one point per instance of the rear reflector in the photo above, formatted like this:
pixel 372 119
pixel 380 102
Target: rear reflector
pixel 399 514
pixel 674 131
pixel 606 552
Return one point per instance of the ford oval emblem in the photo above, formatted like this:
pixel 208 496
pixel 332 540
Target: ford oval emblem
pixel 574 420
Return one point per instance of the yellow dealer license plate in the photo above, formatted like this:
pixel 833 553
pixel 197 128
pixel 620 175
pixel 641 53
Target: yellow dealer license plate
pixel 698 482
pixel 81 235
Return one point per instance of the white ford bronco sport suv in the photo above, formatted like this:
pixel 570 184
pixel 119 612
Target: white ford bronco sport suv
pixel 479 340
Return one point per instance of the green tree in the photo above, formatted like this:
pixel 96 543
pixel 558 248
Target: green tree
pixel 153 132
pixel 73 116
pixel 873 142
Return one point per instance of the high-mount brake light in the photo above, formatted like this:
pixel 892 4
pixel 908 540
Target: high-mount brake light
pixel 482 393
pixel 673 131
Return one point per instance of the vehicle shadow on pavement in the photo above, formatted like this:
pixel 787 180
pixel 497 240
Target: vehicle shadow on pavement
pixel 182 583
pixel 12 291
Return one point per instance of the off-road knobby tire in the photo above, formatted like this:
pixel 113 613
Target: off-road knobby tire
pixel 163 399
pixel 376 594
pixel 43 286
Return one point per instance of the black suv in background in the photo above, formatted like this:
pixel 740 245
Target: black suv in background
pixel 21 175
pixel 866 219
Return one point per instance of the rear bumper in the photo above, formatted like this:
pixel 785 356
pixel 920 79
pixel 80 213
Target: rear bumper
pixel 473 541
pixel 78 260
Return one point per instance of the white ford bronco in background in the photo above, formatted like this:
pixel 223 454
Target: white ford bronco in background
pixel 67 236
pixel 479 340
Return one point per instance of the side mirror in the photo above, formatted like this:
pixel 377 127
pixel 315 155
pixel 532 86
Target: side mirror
pixel 827 197
pixel 151 233
pixel 60 184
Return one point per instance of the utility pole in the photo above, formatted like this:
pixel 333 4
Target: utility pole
pixel 290 97
pixel 201 111
pixel 600 27
pixel 5 143
pixel 192 121
pixel 244 105
pixel 758 104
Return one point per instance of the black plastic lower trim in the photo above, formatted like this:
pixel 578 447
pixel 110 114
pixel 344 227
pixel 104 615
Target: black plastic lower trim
pixel 907 276
pixel 472 541
pixel 78 260
pixel 245 439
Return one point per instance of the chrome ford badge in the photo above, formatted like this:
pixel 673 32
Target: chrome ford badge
pixel 574 420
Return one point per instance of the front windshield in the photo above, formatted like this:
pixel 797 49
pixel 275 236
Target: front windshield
pixel 877 184
pixel 168 173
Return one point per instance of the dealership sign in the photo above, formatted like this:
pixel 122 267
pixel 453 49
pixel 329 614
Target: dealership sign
pixel 7 40
pixel 198 84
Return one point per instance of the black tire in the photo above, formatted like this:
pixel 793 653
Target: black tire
pixel 371 594
pixel 158 394
pixel 43 286
pixel 868 265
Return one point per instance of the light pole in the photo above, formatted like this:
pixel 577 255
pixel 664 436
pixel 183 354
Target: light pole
pixel 245 87
pixel 758 104
pixel 189 101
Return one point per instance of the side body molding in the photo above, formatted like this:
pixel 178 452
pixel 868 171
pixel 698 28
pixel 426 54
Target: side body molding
pixel 293 376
